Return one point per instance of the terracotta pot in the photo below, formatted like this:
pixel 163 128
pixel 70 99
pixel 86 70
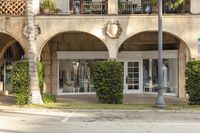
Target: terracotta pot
pixel 46 11
pixel 154 9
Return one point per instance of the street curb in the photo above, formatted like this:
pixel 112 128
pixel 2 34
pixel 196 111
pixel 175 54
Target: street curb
pixel 21 109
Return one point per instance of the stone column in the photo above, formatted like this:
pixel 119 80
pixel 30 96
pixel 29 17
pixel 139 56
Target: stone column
pixel 112 48
pixel 1 83
pixel 47 77
pixel 113 7
pixel 36 6
pixel 1 87
pixel 182 67
pixel 1 61
pixel 54 69
pixel 194 6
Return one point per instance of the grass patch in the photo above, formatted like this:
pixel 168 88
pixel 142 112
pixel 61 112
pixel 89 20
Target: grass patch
pixel 77 105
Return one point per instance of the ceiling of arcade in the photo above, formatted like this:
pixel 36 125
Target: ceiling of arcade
pixel 4 40
pixel 148 41
pixel 76 41
pixel 7 42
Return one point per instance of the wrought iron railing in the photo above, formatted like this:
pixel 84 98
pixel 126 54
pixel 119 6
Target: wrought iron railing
pixel 129 7
pixel 12 7
pixel 90 7
pixel 145 6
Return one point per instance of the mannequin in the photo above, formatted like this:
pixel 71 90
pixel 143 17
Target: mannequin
pixel 86 77
pixel 164 76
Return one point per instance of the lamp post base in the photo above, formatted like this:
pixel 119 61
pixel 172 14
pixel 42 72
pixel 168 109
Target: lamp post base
pixel 160 101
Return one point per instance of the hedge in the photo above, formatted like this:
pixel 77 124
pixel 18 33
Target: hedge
pixel 193 81
pixel 20 80
pixel 108 81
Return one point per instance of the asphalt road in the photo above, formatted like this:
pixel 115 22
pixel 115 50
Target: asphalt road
pixel 99 121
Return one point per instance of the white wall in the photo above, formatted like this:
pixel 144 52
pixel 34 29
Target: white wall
pixel 112 6
pixel 194 7
pixel 36 6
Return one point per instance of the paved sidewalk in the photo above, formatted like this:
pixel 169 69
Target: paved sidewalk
pixel 91 98
pixel 7 100
pixel 128 99
pixel 99 121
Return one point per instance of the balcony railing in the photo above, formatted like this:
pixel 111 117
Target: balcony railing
pixel 145 6
pixel 12 7
pixel 76 7
pixel 89 7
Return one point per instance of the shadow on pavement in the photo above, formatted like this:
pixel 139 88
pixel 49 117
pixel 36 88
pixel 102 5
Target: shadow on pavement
pixel 7 100
pixel 10 131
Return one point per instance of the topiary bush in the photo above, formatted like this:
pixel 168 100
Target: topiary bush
pixel 193 81
pixel 20 80
pixel 108 82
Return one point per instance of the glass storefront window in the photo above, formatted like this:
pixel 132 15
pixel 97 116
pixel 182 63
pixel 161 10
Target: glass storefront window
pixel 170 75
pixel 76 76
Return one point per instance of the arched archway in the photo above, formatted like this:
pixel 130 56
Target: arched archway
pixel 95 37
pixel 149 38
pixel 139 54
pixel 65 55
pixel 10 51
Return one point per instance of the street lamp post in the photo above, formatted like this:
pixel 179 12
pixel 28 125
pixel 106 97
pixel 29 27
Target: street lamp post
pixel 160 102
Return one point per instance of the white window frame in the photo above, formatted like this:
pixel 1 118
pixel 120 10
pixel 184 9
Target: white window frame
pixel 122 56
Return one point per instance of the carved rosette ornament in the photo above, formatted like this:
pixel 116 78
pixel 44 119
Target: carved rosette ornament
pixel 37 31
pixel 112 29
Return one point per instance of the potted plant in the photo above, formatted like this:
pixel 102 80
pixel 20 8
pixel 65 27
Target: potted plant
pixel 48 6
pixel 120 6
pixel 178 6
pixel 154 7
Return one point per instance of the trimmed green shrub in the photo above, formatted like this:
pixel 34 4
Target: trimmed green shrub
pixel 108 81
pixel 48 98
pixel 193 81
pixel 20 80
pixel 40 68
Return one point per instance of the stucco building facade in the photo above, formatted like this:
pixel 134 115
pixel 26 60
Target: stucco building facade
pixel 70 43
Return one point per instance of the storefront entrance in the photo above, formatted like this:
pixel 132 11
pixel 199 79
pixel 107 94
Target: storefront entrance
pixel 132 76
pixel 170 78
pixel 76 70
pixel 140 73
pixel 70 58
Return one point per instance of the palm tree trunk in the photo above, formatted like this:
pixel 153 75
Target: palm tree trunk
pixel 34 90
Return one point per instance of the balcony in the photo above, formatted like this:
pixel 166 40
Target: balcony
pixel 12 7
pixel 93 7
pixel 77 7
pixel 148 7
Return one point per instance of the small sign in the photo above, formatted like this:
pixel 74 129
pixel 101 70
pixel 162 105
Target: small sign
pixel 198 45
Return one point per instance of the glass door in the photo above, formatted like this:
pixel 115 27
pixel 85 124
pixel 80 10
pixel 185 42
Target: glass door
pixel 132 76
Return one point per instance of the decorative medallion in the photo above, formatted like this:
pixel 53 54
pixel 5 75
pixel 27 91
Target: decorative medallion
pixel 37 31
pixel 112 29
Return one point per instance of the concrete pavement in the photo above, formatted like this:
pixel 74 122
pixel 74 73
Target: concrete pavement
pixel 128 99
pixel 99 121
pixel 91 98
